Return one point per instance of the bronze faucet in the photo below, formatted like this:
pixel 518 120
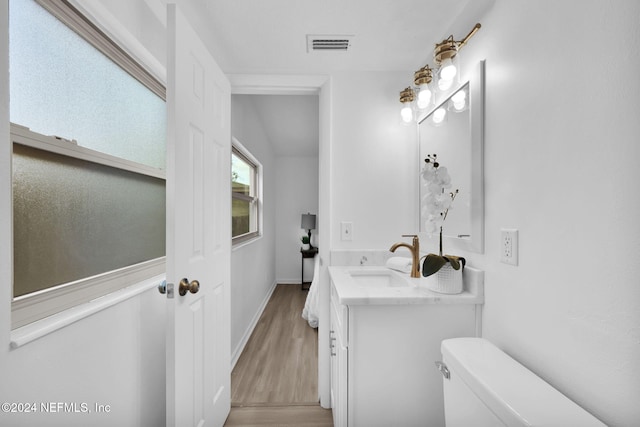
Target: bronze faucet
pixel 415 253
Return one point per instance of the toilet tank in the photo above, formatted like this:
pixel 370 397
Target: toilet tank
pixel 487 388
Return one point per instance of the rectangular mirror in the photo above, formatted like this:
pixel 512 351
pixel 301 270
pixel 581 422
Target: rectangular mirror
pixel 454 131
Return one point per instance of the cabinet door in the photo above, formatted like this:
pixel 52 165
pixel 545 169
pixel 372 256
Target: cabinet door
pixel 334 365
pixel 342 354
pixel 339 354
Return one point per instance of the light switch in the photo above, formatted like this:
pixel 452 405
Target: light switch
pixel 346 231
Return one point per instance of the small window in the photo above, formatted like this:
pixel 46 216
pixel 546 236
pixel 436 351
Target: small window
pixel 245 194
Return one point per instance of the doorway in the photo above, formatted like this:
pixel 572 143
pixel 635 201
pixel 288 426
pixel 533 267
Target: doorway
pixel 296 172
pixel 319 85
pixel 281 133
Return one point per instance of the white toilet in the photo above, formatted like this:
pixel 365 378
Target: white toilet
pixel 484 387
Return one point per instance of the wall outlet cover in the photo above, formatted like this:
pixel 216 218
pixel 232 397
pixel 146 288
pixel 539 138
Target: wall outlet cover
pixel 509 246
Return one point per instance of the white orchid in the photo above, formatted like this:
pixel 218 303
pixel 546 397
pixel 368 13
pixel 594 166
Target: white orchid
pixel 443 177
pixel 436 203
pixel 437 200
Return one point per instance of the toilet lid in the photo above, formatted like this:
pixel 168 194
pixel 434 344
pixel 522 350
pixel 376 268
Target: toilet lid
pixel 514 393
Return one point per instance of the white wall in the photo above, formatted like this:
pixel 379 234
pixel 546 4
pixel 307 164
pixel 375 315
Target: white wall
pixel 297 193
pixel 373 161
pixel 115 357
pixel 560 165
pixel 253 273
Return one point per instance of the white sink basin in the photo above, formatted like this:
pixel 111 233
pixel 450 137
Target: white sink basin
pixel 378 279
pixel 378 285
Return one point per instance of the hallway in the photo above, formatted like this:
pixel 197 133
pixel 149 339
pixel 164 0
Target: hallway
pixel 275 381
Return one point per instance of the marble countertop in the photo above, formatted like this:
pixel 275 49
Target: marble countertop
pixel 408 290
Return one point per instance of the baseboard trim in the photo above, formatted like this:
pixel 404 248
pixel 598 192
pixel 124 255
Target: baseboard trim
pixel 247 334
pixel 273 405
pixel 288 281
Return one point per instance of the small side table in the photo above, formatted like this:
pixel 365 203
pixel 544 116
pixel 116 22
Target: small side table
pixel 309 253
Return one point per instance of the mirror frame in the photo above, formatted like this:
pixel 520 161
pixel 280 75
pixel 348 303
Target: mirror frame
pixel 476 119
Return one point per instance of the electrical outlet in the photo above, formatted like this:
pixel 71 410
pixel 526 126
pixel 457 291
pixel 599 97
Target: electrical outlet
pixel 509 246
pixel 346 231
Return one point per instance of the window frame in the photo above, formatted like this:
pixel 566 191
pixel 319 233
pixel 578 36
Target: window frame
pixel 35 306
pixel 256 200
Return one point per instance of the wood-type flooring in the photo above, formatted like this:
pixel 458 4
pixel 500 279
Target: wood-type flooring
pixel 275 381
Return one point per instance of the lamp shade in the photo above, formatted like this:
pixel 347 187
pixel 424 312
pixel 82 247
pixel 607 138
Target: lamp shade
pixel 308 222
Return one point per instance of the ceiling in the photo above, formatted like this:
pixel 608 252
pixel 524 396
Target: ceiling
pixel 270 37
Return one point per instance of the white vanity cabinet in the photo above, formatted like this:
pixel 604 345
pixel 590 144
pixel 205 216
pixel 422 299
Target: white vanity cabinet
pixel 382 364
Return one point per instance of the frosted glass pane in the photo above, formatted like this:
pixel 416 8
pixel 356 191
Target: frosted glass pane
pixel 61 85
pixel 74 219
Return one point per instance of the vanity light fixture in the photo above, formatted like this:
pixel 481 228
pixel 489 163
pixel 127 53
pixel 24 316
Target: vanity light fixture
pixel 407 97
pixel 423 81
pixel 445 56
pixel 447 72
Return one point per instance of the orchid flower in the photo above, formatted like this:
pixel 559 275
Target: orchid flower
pixel 436 202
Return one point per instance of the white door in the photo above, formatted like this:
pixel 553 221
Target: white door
pixel 198 230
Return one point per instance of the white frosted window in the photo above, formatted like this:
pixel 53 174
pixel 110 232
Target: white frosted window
pixel 82 218
pixel 74 219
pixel 63 86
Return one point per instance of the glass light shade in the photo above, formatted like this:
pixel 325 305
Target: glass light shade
pixel 444 84
pixel 407 97
pixel 425 96
pixel 459 106
pixel 406 113
pixel 439 116
pixel 448 69
pixel 458 101
pixel 459 96
pixel 448 73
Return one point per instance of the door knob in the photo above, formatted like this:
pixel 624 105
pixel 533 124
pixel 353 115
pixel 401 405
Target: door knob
pixel 185 287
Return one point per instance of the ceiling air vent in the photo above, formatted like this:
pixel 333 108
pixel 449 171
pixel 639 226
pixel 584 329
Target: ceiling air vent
pixel 318 43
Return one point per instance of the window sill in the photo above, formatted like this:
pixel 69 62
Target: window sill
pixel 40 328
pixel 243 243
